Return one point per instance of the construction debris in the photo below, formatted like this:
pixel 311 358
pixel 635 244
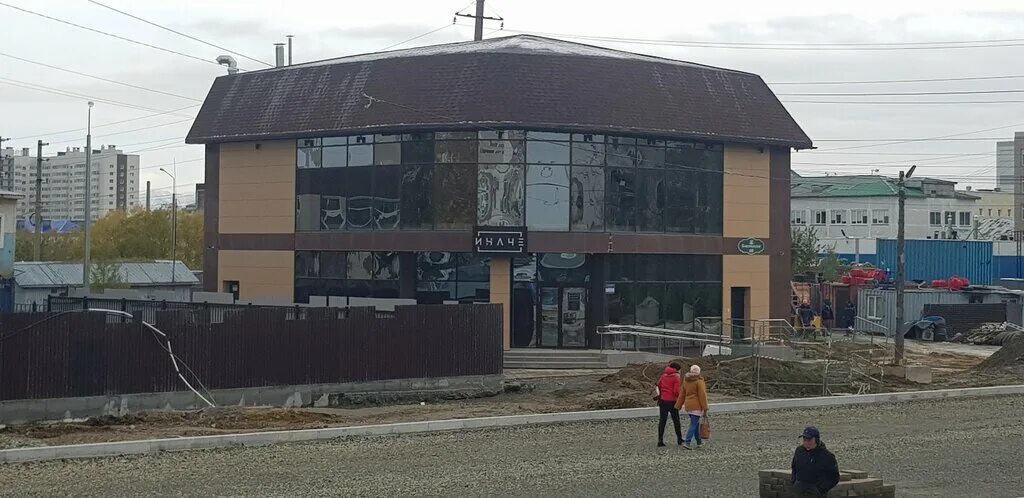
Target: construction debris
pixel 992 334
pixel 1008 357
pixel 779 379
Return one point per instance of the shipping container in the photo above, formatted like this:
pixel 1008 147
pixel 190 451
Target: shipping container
pixel 929 260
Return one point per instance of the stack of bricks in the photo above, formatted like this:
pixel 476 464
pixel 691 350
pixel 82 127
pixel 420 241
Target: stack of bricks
pixel 852 483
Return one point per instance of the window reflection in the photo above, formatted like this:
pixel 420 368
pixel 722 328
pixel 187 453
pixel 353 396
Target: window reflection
pixel 416 204
pixel 455 195
pixel 546 180
pixel 308 158
pixel 547 197
pixel 620 194
pixel 547 152
pixel 500 195
pixel 651 197
pixel 587 193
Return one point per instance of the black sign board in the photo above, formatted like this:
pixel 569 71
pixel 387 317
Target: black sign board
pixel 499 240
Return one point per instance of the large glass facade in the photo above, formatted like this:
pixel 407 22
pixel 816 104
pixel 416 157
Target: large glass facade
pixel 346 273
pixel 661 290
pixel 544 180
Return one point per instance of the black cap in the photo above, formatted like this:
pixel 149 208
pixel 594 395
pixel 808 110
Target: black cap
pixel 811 432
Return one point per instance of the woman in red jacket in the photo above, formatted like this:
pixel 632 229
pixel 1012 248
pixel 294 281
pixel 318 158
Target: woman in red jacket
pixel 668 391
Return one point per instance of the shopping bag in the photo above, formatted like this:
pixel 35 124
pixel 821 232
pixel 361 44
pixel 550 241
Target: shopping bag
pixel 705 428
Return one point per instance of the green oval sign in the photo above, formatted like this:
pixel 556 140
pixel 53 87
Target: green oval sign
pixel 751 245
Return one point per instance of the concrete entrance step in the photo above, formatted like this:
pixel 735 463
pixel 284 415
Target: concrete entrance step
pixel 555 359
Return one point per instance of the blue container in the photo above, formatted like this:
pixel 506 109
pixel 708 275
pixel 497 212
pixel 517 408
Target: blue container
pixel 940 259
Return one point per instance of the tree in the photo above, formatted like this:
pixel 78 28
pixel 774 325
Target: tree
pixel 830 267
pixel 120 236
pixel 105 275
pixel 804 250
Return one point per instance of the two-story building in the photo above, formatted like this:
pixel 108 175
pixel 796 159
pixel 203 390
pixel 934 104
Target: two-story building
pixel 8 229
pixel 575 185
pixel 865 207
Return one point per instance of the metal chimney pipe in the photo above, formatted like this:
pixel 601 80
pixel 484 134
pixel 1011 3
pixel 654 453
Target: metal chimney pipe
pixel 227 60
pixel 290 49
pixel 279 54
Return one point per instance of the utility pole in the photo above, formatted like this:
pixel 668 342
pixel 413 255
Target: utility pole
pixel 478 29
pixel 147 196
pixel 88 203
pixel 37 248
pixel 901 260
pixel 478 23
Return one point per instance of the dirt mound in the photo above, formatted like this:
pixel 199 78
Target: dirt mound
pixel 221 418
pixel 1008 357
pixel 779 379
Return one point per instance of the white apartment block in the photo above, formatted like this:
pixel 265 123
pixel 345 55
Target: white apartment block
pixel 115 182
pixel 865 207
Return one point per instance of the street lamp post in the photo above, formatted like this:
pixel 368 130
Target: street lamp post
pixel 174 217
pixel 88 203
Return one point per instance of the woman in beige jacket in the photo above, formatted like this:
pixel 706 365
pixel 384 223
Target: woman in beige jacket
pixel 693 398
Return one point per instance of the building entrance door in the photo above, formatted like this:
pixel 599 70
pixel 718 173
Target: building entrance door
pixel 562 317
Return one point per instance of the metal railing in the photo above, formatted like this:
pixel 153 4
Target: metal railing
pixel 657 340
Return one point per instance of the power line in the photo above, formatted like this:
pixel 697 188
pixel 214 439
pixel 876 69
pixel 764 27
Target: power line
pixel 897 94
pixel 873 82
pixel 65 93
pixel 151 23
pixel 126 131
pixel 129 85
pixel 112 123
pixel 902 102
pixel 939 45
pixel 413 38
pixel 927 139
pixel 119 37
pixel 987 138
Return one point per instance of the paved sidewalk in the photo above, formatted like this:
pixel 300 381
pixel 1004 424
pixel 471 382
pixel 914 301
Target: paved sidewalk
pixel 936 448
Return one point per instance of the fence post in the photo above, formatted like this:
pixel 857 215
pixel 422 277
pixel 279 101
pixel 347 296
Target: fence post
pixel 85 303
pixel 49 307
pixel 124 305
pixel 34 309
pixel 163 304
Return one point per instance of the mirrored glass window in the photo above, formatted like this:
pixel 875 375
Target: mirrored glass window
pixel 587 196
pixel 547 197
pixel 455 193
pixel 500 197
pixel 620 195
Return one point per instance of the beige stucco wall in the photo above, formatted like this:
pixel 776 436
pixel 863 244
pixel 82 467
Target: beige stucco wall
pixel 745 192
pixel 501 293
pixel 257 187
pixel 260 274
pixel 746 271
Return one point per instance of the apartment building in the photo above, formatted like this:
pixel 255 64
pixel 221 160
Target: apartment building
pixel 115 182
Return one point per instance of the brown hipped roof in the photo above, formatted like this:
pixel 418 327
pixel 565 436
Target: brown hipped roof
pixel 514 82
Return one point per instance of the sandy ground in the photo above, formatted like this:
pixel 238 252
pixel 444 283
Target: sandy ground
pixel 944 448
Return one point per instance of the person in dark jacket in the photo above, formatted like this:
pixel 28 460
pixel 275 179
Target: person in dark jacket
pixel 815 470
pixel 806 314
pixel 668 390
pixel 849 315
pixel 828 315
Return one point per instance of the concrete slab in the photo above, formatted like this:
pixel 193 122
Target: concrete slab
pixel 275 437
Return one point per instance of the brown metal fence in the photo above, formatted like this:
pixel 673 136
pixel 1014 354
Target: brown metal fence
pixel 55 355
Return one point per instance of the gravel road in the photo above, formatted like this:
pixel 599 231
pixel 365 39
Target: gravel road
pixel 935 448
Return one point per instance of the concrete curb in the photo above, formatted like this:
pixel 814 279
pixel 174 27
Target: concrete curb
pixel 276 437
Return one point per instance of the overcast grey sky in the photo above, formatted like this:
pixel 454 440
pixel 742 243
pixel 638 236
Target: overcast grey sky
pixel 327 29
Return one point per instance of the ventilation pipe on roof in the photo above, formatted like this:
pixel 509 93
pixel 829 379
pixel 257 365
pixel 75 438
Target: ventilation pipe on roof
pixel 279 54
pixel 289 48
pixel 227 60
